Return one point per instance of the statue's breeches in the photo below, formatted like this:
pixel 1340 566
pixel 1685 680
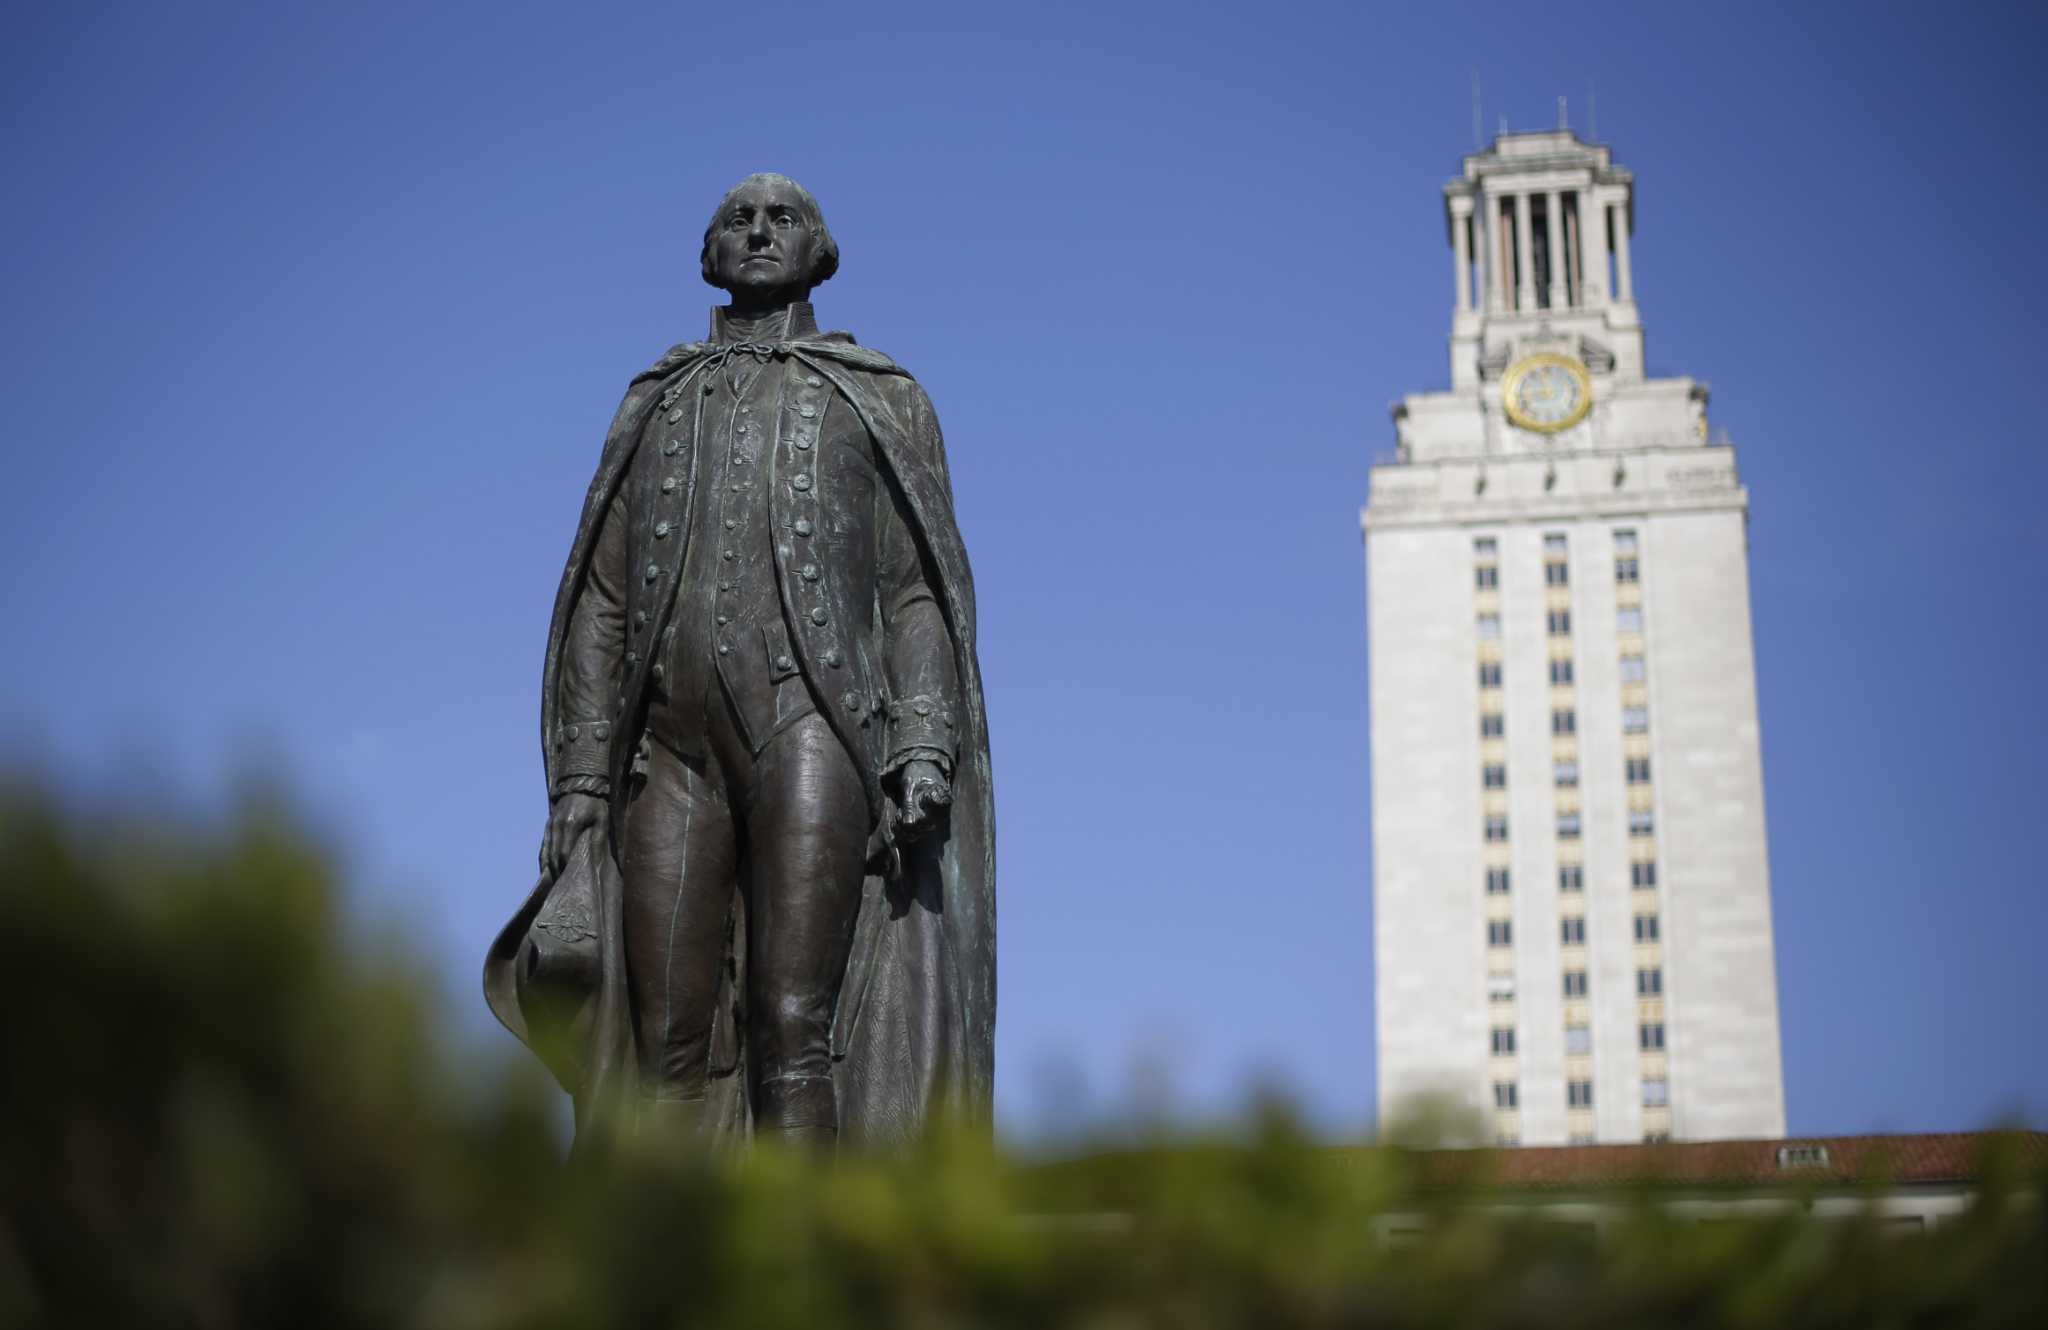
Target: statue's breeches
pixel 790 826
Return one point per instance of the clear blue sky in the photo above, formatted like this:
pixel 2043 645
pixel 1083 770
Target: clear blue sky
pixel 314 318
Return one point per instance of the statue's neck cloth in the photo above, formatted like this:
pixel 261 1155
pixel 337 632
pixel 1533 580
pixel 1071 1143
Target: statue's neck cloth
pixel 793 322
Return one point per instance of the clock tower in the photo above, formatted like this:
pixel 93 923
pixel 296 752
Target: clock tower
pixel 1572 922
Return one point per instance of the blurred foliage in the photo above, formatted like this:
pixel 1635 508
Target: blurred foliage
pixel 222 1112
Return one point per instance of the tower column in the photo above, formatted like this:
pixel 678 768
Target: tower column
pixel 1525 287
pixel 1461 250
pixel 1553 233
pixel 1489 248
pixel 1623 277
pixel 1593 245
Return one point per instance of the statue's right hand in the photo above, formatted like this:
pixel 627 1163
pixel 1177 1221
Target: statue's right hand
pixel 569 817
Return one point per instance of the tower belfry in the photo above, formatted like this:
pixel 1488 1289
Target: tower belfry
pixel 1571 889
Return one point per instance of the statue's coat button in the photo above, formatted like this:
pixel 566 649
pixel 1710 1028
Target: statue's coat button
pixel 675 415
pixel 668 485
pixel 640 616
pixel 604 731
pixel 672 447
pixel 730 554
pixel 725 648
pixel 815 381
pixel 810 572
pixel 575 733
pixel 658 671
pixel 922 707
pixel 661 530
pixel 807 411
pixel 783 662
pixel 851 701
pixel 819 617
pixel 833 658
pixel 653 571
pixel 802 481
pixel 803 526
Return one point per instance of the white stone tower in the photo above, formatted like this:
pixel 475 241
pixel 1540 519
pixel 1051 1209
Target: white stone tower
pixel 1572 907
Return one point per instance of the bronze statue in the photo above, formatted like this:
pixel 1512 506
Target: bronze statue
pixel 767 880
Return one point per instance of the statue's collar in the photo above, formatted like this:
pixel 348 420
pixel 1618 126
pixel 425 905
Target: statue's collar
pixel 796 322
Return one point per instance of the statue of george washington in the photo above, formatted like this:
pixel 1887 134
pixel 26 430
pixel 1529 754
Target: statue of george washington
pixel 767 892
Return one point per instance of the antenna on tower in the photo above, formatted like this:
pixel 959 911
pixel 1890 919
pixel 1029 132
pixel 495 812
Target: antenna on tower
pixel 1563 121
pixel 1478 120
pixel 1592 115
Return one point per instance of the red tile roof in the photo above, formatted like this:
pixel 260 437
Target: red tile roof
pixel 1936 1157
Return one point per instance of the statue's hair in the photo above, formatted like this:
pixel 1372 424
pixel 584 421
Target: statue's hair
pixel 825 257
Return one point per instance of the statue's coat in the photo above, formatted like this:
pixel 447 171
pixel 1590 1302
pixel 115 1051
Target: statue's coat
pixel 914 1037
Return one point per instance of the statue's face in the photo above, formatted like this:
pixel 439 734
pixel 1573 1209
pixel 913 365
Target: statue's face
pixel 763 246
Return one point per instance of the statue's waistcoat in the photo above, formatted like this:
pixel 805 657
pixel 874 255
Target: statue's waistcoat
pixel 818 486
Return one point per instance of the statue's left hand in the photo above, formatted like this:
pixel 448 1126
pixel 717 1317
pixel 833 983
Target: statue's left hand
pixel 924 795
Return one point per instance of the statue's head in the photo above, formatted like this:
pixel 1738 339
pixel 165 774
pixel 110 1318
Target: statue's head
pixel 767 242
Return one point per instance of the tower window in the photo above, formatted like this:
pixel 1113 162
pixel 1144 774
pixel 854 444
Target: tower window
pixel 1494 777
pixel 1504 1095
pixel 1578 1094
pixel 1646 928
pixel 1556 574
pixel 1656 1092
pixel 1491 725
pixel 1571 877
pixel 1650 982
pixel 1624 541
pixel 1485 547
pixel 1575 983
pixel 1499 933
pixel 1625 571
pixel 1572 931
pixel 1567 826
pixel 1559 622
pixel 1643 874
pixel 1567 772
pixel 1628 619
pixel 1504 1041
pixel 1632 670
pixel 1561 670
pixel 1496 826
pixel 1489 627
pixel 1496 881
pixel 1638 769
pixel 1564 721
pixel 1553 545
pixel 1578 1039
pixel 1640 822
pixel 1489 674
pixel 1486 576
pixel 1635 720
pixel 1650 1036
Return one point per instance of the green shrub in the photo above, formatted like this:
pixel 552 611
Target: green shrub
pixel 219 1114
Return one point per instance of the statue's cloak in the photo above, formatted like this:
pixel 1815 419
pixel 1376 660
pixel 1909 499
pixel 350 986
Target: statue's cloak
pixel 913 1040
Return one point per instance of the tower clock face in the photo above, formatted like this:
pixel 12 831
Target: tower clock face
pixel 1547 392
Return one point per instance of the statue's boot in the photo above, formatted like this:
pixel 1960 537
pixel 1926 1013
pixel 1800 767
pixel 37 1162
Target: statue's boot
pixel 798 1112
pixel 672 1123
